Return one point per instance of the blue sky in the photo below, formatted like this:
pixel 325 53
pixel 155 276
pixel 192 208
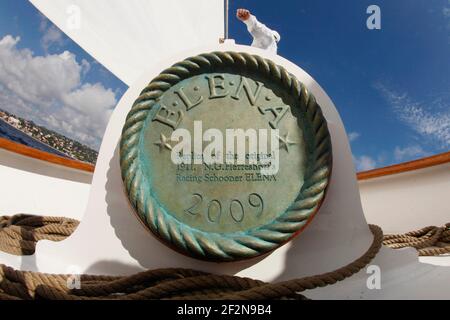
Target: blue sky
pixel 391 86
pixel 47 78
pixel 20 18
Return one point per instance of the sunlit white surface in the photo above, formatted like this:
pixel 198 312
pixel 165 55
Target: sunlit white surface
pixel 128 36
pixel 38 187
pixel 408 201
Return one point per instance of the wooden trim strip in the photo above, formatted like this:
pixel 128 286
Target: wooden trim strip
pixel 365 175
pixel 44 156
pixel 406 166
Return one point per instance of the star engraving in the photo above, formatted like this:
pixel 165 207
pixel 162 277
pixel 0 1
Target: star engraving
pixel 163 143
pixel 285 143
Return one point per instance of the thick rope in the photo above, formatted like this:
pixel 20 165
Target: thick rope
pixel 152 284
pixel 19 234
pixel 428 241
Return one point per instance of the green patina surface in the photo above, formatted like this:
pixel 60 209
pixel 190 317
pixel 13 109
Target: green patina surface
pixel 225 210
pixel 224 197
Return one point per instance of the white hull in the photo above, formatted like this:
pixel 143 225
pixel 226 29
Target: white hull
pixel 409 200
pixel 39 187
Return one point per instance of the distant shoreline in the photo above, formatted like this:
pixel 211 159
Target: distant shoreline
pixel 39 141
pixel 43 138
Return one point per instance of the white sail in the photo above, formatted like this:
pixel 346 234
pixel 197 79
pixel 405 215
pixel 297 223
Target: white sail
pixel 126 36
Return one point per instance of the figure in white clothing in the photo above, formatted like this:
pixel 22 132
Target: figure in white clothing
pixel 263 37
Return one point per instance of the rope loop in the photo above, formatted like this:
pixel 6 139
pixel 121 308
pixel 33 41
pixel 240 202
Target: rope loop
pixel 19 234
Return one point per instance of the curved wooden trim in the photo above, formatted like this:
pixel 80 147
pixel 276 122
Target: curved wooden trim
pixel 44 156
pixel 406 166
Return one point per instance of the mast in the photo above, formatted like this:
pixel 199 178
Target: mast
pixel 226 8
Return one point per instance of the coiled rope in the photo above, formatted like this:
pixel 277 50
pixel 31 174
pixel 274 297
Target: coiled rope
pixel 19 234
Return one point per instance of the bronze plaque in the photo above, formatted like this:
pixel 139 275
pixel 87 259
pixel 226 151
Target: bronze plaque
pixel 225 156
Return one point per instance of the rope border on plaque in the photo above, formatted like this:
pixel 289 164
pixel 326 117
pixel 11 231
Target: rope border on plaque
pixel 236 245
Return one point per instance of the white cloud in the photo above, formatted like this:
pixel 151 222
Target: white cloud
pixel 408 153
pixel 352 136
pixel 446 10
pixel 364 163
pixel 85 67
pixel 431 124
pixel 48 90
pixel 446 13
pixel 51 34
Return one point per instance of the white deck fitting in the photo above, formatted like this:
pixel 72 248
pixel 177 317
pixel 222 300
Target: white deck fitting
pixel 110 240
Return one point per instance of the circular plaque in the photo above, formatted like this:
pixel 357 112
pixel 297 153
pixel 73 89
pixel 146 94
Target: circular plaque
pixel 225 156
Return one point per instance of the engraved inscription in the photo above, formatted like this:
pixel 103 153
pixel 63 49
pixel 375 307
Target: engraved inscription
pixel 187 97
pixel 189 105
pixel 217 82
pixel 278 113
pixel 214 211
pixel 236 208
pixel 223 173
pixel 251 96
pixel 220 146
pixel 169 117
pixel 197 201
pixel 256 201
